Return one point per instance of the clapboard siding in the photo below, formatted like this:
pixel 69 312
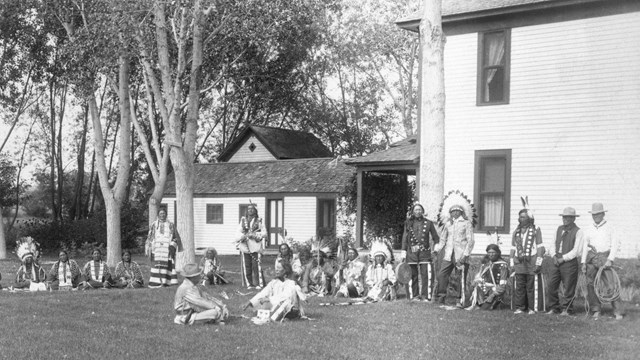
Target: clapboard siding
pixel 244 154
pixel 300 217
pixel 573 121
pixel 299 220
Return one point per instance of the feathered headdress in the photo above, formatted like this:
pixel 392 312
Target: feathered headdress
pixel 380 247
pixel 327 245
pixel 526 206
pixel 456 200
pixel 26 247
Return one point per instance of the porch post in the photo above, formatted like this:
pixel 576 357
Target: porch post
pixel 359 209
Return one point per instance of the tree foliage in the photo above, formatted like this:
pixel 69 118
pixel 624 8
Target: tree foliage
pixel 384 206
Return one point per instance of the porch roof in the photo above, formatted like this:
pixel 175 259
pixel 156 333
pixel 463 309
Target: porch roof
pixel 404 152
pixel 319 175
pixel 457 10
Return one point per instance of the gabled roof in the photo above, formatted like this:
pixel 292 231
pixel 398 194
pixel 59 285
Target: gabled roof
pixel 281 143
pixel 456 10
pixel 404 152
pixel 320 175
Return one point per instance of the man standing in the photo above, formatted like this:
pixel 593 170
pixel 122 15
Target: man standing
pixel 250 241
pixel 194 306
pixel 458 243
pixel 417 247
pixel 600 249
pixel 526 260
pixel 569 243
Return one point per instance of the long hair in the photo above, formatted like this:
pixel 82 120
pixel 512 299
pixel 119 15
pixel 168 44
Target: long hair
pixel 246 213
pixel 531 221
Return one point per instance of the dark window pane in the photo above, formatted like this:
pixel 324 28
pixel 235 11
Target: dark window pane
pixel 494 85
pixel 494 175
pixel 243 211
pixel 214 213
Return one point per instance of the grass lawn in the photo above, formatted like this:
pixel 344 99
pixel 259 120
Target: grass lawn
pixel 128 324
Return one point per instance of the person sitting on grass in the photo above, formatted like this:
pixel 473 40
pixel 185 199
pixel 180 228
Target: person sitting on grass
pixel 96 273
pixel 300 264
pixel 381 279
pixel 318 275
pixel 211 268
pixel 351 276
pixel 193 305
pixel 490 282
pixel 128 273
pixel 65 273
pixel 281 297
pixel 30 276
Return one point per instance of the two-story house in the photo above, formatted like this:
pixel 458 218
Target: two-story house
pixel 543 100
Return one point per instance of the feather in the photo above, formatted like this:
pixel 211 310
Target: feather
pixel 26 246
pixel 459 199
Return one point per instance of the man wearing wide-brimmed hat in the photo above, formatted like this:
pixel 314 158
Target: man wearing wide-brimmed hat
pixel 194 306
pixel 600 250
pixel 569 244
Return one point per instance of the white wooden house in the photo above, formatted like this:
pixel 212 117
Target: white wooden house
pixel 289 174
pixel 543 99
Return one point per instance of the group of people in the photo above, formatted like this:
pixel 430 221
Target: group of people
pixel 313 271
pixel 66 274
pixel 452 241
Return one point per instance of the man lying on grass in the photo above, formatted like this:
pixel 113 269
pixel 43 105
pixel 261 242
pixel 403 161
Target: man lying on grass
pixel 281 297
pixel 194 306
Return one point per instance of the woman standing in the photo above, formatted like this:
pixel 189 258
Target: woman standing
pixel 161 245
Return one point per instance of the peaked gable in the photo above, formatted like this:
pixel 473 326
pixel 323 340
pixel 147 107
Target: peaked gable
pixel 281 143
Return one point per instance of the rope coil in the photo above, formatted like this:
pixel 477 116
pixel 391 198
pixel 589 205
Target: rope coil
pixel 605 291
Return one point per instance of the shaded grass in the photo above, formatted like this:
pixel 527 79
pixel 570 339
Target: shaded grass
pixel 107 324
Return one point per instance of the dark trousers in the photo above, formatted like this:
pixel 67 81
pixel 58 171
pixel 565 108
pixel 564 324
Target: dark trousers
pixel 253 275
pixel 524 292
pixel 594 303
pixel 446 268
pixel 567 273
pixel 426 274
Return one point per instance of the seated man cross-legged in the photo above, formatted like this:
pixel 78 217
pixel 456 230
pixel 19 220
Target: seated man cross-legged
pixel 195 306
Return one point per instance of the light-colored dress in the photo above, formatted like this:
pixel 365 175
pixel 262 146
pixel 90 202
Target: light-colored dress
pixel 163 236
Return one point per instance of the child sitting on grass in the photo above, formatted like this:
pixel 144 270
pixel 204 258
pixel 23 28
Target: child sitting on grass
pixel 211 268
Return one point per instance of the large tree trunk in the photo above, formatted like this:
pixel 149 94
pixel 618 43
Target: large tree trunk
pixel 113 198
pixel 182 142
pixel 76 212
pixel 431 187
pixel 3 239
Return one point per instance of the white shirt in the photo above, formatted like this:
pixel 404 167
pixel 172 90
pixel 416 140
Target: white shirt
pixel 600 236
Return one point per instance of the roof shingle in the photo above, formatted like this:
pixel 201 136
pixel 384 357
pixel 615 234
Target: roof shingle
pixel 282 143
pixel 320 175
pixel 402 152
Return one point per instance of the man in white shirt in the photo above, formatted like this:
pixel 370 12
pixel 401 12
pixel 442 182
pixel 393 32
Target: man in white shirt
pixel 600 249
